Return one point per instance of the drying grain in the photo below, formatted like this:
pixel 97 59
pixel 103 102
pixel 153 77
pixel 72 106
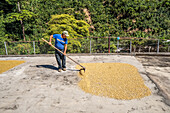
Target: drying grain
pixel 8 64
pixel 114 80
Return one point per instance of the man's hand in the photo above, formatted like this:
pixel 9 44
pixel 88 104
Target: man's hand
pixel 64 53
pixel 50 43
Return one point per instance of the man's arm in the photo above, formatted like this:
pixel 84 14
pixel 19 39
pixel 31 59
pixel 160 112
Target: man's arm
pixel 65 49
pixel 50 39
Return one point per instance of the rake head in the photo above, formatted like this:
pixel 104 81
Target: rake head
pixel 83 68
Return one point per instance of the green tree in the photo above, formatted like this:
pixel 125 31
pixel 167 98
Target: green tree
pixel 76 28
pixel 2 29
pixel 123 18
pixel 15 29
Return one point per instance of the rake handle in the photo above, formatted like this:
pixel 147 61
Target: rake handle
pixel 62 52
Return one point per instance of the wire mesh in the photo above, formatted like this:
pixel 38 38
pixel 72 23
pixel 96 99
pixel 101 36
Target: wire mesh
pixel 2 49
pixel 88 45
pixel 21 48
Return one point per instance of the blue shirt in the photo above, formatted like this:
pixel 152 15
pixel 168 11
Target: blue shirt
pixel 59 41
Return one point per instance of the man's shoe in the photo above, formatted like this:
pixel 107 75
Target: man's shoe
pixel 59 70
pixel 64 69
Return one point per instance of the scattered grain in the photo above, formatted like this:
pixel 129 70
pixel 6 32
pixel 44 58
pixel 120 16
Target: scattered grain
pixel 8 64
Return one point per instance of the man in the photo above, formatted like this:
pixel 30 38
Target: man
pixel 61 44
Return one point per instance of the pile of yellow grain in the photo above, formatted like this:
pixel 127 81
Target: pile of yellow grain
pixel 114 80
pixel 8 64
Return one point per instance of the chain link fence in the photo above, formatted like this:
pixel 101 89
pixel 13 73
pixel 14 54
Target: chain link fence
pixel 88 45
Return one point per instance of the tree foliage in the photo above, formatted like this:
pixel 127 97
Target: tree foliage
pixel 127 18
pixel 123 18
pixel 76 28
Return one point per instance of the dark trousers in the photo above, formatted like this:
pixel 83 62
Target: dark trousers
pixel 60 57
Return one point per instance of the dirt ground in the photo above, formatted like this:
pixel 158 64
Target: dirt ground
pixel 37 87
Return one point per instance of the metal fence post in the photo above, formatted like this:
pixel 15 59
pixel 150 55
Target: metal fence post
pixel 6 48
pixel 117 44
pixel 90 45
pixel 158 47
pixel 109 44
pixel 130 46
pixel 34 46
pixel 149 49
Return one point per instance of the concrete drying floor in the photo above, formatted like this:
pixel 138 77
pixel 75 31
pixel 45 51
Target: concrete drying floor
pixel 158 70
pixel 37 87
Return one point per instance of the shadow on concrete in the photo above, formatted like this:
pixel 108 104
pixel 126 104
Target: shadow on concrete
pixel 47 66
pixel 53 67
pixel 73 69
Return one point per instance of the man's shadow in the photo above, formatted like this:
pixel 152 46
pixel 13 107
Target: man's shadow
pixel 53 67
pixel 47 66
